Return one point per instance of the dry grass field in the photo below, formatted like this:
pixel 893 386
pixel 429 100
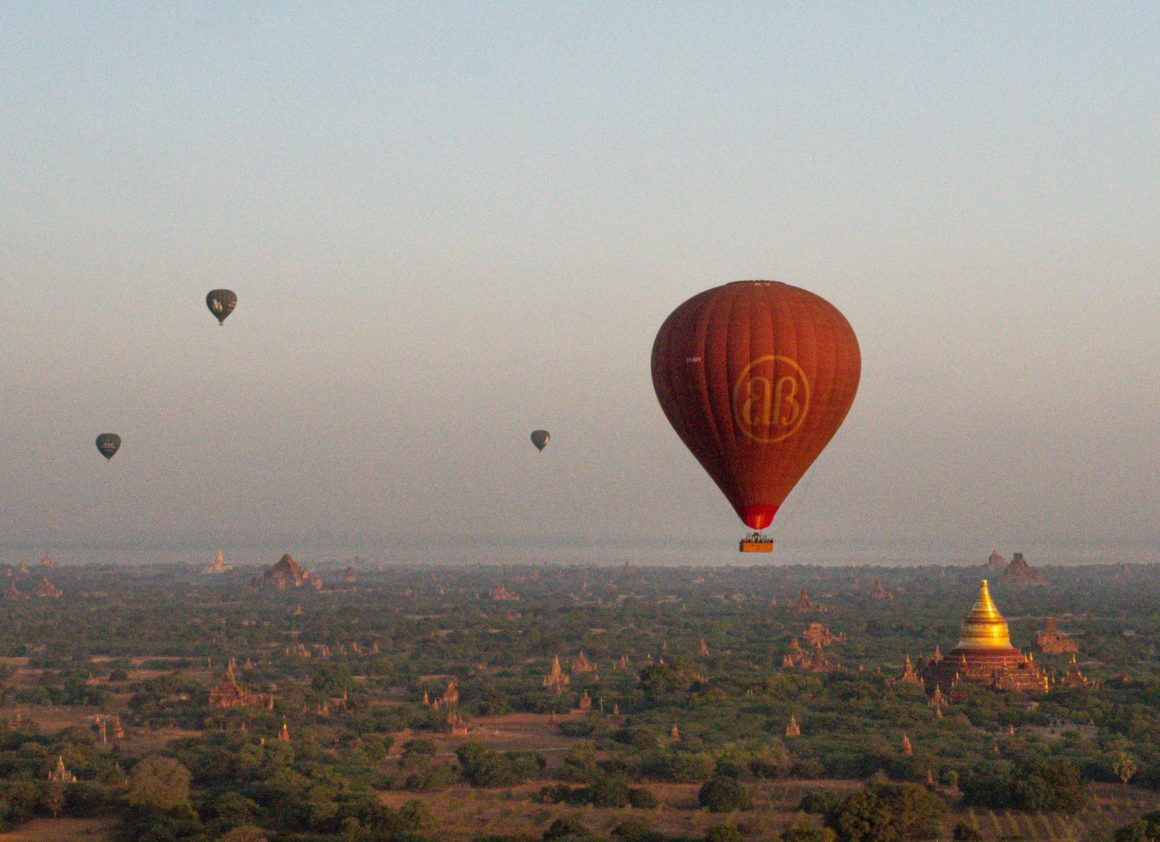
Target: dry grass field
pixel 51 718
pixel 63 830
pixel 464 813
pixel 1110 806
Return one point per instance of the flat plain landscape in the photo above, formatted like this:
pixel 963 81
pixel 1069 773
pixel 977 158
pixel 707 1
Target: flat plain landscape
pixel 528 702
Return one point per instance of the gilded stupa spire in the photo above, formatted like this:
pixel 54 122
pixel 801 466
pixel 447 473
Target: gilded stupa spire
pixel 985 627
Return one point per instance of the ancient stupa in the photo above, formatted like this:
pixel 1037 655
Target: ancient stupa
pixel 1022 573
pixel 1052 641
pixel 218 565
pixel 286 575
pixel 984 655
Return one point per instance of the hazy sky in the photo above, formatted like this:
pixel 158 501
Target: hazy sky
pixel 449 224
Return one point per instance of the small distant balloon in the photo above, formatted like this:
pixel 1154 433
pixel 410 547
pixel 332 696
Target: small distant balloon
pixel 221 303
pixel 108 444
pixel 540 439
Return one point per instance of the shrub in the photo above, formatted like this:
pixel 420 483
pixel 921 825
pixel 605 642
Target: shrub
pixel 609 792
pixel 636 830
pixel 567 827
pixel 642 799
pixel 1144 829
pixel 723 795
pixel 416 815
pixel 730 769
pixel 818 802
pixel 577 727
pixel 421 747
pixel 723 833
pixel 485 768
pixel 430 777
pixel 638 738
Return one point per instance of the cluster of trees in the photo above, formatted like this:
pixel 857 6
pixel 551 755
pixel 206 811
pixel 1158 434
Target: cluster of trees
pixel 262 789
pixel 1144 829
pixel 486 768
pixel 1029 785
pixel 607 791
pixel 334 658
pixel 886 811
pixel 880 812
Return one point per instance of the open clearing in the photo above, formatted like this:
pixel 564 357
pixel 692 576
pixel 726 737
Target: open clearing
pixel 63 830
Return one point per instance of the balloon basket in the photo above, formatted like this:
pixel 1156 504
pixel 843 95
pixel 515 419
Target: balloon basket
pixel 756 542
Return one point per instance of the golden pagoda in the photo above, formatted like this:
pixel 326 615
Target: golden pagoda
pixel 984 655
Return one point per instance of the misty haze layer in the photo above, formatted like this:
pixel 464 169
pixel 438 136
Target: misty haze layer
pixel 450 226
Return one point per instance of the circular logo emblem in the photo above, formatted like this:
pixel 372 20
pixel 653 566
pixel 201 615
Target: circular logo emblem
pixel 771 399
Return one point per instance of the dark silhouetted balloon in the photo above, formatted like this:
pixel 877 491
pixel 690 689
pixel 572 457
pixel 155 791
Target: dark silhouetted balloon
pixel 540 439
pixel 221 303
pixel 108 444
pixel 756 377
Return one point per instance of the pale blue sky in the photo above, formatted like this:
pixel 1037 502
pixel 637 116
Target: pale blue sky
pixel 449 224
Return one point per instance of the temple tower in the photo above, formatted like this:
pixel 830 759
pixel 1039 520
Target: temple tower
pixel 984 654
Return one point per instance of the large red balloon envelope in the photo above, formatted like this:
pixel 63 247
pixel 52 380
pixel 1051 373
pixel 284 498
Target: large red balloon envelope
pixel 756 377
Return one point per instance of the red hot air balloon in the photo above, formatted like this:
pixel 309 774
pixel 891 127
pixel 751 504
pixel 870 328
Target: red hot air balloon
pixel 756 377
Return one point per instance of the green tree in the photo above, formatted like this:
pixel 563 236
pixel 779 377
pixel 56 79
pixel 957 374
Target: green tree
pixel 233 809
pixel 609 791
pixel 636 830
pixel 332 678
pixel 641 798
pixel 159 783
pixel 662 680
pixel 579 762
pixel 885 812
pixel 417 815
pixel 1124 766
pixel 724 795
pixel 53 798
pixel 1144 829
pixel 567 828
